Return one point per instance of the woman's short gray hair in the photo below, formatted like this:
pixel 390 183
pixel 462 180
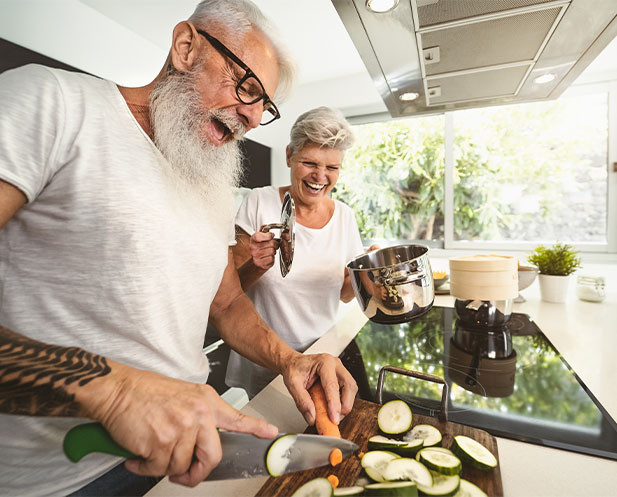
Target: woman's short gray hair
pixel 239 16
pixel 324 126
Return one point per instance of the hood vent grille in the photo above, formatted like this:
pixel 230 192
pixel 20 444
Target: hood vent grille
pixel 472 53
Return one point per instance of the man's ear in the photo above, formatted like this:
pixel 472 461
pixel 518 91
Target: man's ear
pixel 288 154
pixel 184 46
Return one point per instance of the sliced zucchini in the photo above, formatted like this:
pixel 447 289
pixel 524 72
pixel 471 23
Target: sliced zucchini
pixel 400 447
pixel 379 442
pixel 394 417
pixel 392 488
pixel 429 434
pixel 375 461
pixel 277 457
pixel 468 489
pixel 446 464
pixel 344 491
pixel 318 487
pixel 405 468
pixel 438 449
pixel 474 453
pixel 443 485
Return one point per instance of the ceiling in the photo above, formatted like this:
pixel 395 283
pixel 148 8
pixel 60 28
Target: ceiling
pixel 133 37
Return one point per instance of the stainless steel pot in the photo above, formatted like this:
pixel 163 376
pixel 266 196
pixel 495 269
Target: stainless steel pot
pixel 393 284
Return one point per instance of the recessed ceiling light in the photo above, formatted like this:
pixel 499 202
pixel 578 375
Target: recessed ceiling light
pixel 409 96
pixel 381 5
pixel 544 78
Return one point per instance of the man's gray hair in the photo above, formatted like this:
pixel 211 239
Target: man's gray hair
pixel 237 17
pixel 324 126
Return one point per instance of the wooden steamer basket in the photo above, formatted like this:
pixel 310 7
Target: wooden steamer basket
pixel 484 287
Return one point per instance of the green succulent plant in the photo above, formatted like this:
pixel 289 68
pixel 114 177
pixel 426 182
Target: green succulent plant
pixel 559 260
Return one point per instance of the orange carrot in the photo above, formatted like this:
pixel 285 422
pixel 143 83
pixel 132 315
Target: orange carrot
pixel 333 481
pixel 360 455
pixel 336 457
pixel 323 423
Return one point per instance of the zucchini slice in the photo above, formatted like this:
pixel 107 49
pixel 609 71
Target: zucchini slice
pixel 318 487
pixel 400 447
pixel 474 453
pixel 446 464
pixel 405 468
pixel 277 457
pixel 394 417
pixel 392 489
pixel 345 491
pixel 468 489
pixel 428 433
pixel 374 463
pixel 443 485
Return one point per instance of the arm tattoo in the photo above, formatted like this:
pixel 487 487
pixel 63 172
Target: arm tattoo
pixel 34 375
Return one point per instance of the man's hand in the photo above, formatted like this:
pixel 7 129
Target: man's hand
pixel 339 386
pixel 171 424
pixel 262 247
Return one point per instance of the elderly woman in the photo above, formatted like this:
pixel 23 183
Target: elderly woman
pixel 302 306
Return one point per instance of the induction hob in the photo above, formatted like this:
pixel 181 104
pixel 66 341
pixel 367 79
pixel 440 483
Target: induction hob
pixel 510 382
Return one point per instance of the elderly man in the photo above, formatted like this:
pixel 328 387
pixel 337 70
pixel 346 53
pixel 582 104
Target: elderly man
pixel 116 211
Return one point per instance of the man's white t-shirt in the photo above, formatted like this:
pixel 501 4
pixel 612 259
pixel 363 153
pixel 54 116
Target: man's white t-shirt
pixel 302 306
pixel 106 255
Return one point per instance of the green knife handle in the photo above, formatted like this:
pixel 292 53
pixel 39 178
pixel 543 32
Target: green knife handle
pixel 91 437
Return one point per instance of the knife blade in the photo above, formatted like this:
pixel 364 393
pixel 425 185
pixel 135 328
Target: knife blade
pixel 244 455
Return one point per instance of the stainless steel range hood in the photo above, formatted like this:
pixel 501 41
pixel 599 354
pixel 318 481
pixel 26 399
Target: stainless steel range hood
pixel 458 54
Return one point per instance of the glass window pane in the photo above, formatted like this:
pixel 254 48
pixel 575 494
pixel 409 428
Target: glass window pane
pixel 532 172
pixel 393 178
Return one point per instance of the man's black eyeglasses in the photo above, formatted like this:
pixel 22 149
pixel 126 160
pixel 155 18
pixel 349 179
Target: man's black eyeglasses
pixel 249 89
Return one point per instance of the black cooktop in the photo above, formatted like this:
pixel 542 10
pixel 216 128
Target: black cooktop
pixel 510 382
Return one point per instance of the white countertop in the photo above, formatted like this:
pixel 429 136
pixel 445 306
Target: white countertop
pixel 586 336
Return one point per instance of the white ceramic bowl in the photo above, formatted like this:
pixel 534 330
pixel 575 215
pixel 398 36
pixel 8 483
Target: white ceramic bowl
pixel 526 276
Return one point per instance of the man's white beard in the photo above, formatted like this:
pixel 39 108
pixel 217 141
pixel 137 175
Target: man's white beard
pixel 197 166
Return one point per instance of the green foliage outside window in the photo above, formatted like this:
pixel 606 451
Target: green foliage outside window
pixel 521 172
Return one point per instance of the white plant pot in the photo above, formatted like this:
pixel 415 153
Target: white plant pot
pixel 554 288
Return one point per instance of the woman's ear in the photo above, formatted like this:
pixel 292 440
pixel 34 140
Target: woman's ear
pixel 288 154
pixel 184 46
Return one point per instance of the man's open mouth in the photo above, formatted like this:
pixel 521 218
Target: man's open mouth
pixel 220 131
pixel 314 187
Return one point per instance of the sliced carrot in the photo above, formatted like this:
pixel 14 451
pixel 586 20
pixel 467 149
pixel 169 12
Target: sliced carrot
pixel 323 423
pixel 333 481
pixel 336 457
pixel 360 455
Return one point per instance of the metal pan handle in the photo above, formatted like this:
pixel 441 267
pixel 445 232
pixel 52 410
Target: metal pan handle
pixel 267 227
pixel 443 411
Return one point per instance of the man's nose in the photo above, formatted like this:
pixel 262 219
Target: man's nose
pixel 251 114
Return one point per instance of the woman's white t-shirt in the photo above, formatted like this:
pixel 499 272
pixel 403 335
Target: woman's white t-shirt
pixel 302 306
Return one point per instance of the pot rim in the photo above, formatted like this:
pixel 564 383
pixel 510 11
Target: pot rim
pixel 348 265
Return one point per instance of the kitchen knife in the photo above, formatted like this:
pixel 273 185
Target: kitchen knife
pixel 244 455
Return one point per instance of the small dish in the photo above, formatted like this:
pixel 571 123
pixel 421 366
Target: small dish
pixel 439 278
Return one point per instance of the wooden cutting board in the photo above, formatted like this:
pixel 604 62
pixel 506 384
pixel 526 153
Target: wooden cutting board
pixel 361 424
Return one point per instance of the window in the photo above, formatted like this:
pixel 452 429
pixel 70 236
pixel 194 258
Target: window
pixel 506 177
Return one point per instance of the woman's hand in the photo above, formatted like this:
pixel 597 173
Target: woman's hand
pixel 263 247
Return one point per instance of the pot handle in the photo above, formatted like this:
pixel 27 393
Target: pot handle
pixel 402 280
pixel 267 227
pixel 443 411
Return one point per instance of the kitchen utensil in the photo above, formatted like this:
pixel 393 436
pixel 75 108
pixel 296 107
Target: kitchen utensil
pixel 287 237
pixel 244 456
pixel 483 277
pixel 483 313
pixel 393 284
pixel 361 424
pixel 526 276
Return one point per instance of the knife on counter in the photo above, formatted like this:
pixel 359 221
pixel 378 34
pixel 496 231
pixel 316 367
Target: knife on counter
pixel 244 455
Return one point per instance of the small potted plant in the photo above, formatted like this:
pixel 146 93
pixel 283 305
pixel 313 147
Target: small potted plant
pixel 555 265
